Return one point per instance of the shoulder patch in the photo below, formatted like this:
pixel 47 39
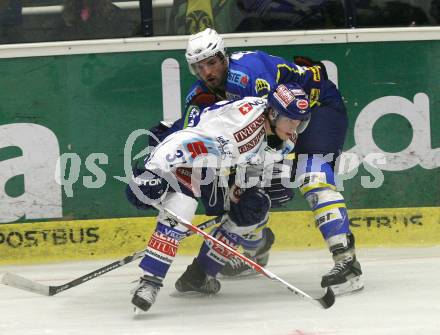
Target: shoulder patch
pixel 245 108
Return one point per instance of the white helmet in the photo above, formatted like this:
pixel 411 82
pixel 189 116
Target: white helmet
pixel 203 45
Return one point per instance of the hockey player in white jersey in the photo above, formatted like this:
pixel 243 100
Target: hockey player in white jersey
pixel 230 134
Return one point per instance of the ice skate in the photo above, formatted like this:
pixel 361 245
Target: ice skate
pixel 194 279
pixel 236 267
pixel 345 276
pixel 145 293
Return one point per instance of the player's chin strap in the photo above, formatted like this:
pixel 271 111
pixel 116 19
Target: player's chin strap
pixel 302 126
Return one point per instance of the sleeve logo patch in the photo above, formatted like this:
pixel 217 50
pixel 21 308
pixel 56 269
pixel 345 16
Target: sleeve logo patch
pixel 245 108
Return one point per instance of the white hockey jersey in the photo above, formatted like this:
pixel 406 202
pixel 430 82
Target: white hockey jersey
pixel 229 134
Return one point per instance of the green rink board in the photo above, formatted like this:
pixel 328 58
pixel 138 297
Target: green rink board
pixel 91 103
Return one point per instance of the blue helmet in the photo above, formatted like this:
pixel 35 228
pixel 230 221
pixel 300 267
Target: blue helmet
pixel 291 101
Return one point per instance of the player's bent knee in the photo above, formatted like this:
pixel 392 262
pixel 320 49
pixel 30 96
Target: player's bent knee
pixel 179 203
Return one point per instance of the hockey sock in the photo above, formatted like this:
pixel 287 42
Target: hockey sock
pixel 161 251
pixel 211 257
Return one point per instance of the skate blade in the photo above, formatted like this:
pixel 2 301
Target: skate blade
pixel 191 294
pixel 137 311
pixel 243 275
pixel 351 286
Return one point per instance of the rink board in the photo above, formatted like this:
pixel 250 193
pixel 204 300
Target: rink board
pixel 111 238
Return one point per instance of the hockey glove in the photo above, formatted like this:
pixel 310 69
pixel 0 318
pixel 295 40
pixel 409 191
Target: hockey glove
pixel 278 193
pixel 160 131
pixel 145 188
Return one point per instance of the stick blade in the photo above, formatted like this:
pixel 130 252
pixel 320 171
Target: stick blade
pixel 25 284
pixel 328 299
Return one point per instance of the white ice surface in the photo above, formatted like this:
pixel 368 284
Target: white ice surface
pixel 401 297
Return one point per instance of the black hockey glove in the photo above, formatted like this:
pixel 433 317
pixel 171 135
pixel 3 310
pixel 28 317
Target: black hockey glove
pixel 279 194
pixel 145 188
pixel 160 131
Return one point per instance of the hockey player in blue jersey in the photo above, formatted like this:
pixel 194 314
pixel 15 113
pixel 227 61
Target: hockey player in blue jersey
pixel 256 74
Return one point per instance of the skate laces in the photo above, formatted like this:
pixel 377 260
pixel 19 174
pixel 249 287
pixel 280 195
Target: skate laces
pixel 341 265
pixel 210 285
pixel 148 293
pixel 236 262
pixel 147 289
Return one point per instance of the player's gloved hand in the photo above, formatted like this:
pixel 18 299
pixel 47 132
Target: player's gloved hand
pixel 251 209
pixel 278 193
pixel 159 132
pixel 204 99
pixel 145 188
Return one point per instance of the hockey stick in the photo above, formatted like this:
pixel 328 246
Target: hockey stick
pixel 326 301
pixel 22 283
pixel 209 223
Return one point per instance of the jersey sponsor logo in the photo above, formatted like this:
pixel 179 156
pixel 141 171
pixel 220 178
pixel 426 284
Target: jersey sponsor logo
pixel 284 96
pixel 249 130
pixel 262 87
pixel 238 78
pixel 197 148
pixel 302 104
pixel 252 143
pixel 164 244
pixel 224 147
pixel 257 102
pixel 245 108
